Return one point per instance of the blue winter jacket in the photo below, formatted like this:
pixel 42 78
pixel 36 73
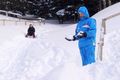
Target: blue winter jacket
pixel 88 25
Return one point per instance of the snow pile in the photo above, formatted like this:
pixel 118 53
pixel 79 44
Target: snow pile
pixel 23 59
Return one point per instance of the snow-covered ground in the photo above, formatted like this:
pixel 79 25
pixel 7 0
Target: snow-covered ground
pixel 51 57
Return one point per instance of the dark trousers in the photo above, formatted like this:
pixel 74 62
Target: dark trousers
pixel 30 34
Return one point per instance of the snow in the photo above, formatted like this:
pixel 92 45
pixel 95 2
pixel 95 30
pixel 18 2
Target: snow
pixel 61 12
pixel 51 57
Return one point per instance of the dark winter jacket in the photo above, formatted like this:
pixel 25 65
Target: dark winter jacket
pixel 31 30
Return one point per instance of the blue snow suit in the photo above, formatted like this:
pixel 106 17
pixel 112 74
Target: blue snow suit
pixel 86 44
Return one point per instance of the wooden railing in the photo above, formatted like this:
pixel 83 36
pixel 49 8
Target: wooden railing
pixel 24 22
pixel 17 18
pixel 103 31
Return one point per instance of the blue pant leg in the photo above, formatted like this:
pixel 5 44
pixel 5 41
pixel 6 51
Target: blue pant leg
pixel 87 54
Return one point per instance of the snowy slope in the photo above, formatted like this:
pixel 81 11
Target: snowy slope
pixel 23 59
pixel 29 59
pixel 106 13
pixel 51 57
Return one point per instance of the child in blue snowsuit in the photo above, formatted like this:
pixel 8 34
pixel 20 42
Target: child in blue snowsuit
pixel 86 34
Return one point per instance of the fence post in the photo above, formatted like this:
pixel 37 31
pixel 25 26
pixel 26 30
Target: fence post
pixel 101 41
pixel 3 22
pixel 15 22
pixel 25 22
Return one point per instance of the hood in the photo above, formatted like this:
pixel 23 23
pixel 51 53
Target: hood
pixel 83 10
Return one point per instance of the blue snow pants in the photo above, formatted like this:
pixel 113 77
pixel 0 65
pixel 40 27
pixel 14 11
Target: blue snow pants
pixel 87 54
